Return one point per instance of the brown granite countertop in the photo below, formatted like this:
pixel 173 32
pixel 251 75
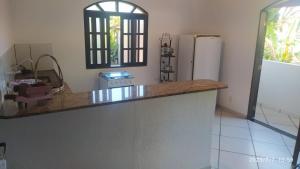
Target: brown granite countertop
pixel 69 101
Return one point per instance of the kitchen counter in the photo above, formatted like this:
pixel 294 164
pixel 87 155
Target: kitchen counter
pixel 69 101
pixel 154 126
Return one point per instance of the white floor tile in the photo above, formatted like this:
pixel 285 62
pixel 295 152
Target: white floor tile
pixel 235 132
pixel 295 121
pixel 266 136
pixel 271 150
pixel 291 149
pixel 215 142
pixel 237 151
pixel 214 158
pixel 237 122
pixel 275 114
pixel 267 110
pixel 290 129
pixel 237 161
pixel 265 163
pixel 289 141
pixel 257 127
pixel 261 118
pixel 294 115
pixel 237 145
pixel 280 120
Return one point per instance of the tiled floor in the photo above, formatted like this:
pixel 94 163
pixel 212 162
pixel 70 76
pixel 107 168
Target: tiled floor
pixel 281 120
pixel 242 144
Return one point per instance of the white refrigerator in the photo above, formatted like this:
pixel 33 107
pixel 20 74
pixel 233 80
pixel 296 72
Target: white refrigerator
pixel 199 57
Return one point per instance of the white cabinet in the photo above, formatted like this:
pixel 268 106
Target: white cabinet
pixel 199 57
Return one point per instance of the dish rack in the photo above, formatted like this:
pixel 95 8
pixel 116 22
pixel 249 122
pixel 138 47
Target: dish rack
pixel 37 93
pixel 60 75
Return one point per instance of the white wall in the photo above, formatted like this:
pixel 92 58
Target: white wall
pixel 5 26
pixel 237 22
pixel 279 87
pixel 6 41
pixel 60 22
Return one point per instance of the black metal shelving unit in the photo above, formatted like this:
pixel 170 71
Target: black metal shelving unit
pixel 167 66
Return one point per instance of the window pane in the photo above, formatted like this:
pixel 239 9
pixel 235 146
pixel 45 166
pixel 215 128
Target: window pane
pixel 98 57
pixel 142 25
pixel 137 56
pixel 106 41
pixel 105 25
pixel 106 54
pixel 98 41
pixel 129 26
pixel 141 41
pixel 138 11
pixel 129 41
pixel 141 55
pixel 125 41
pixel 91 41
pixel 101 30
pixel 137 41
pixel 90 24
pixel 137 26
pixel 93 8
pixel 108 6
pixel 125 25
pixel 91 57
pixel 129 56
pixel 98 24
pixel 125 56
pixel 125 7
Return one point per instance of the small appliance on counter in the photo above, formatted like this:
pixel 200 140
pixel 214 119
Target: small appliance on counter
pixel 109 80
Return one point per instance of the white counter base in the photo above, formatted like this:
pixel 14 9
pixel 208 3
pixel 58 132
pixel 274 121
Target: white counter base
pixel 163 133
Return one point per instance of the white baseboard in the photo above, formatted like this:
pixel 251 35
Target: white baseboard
pixel 230 110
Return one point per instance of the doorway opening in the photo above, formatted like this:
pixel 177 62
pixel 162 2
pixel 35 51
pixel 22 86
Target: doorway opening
pixel 275 94
pixel 278 96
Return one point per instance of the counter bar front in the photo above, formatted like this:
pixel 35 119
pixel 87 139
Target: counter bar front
pixel 164 126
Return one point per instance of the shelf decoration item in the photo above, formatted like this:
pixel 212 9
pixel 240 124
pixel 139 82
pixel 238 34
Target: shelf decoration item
pixel 167 60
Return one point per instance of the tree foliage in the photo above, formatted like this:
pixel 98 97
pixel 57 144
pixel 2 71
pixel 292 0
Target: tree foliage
pixel 282 35
pixel 114 39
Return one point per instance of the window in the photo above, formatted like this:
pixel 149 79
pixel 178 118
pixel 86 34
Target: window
pixel 116 34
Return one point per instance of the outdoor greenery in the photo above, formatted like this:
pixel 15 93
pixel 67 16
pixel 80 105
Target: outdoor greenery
pixel 115 22
pixel 282 42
